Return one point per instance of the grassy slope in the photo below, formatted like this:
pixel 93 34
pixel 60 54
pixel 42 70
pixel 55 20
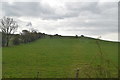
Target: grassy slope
pixel 54 57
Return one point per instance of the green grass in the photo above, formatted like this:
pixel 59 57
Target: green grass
pixel 55 58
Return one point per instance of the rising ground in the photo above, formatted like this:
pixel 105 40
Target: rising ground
pixel 57 58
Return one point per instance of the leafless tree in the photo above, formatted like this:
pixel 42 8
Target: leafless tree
pixel 8 26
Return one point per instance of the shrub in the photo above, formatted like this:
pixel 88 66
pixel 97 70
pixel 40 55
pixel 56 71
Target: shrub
pixel 16 41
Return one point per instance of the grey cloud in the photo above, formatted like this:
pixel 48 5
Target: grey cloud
pixel 33 9
pixel 45 11
pixel 83 6
pixel 93 31
pixel 102 17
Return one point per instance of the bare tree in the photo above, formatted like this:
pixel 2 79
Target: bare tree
pixel 8 26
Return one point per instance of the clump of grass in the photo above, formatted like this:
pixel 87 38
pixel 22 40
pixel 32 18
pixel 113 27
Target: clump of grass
pixel 101 69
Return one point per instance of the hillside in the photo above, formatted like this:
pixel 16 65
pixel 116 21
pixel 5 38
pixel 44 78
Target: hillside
pixel 57 58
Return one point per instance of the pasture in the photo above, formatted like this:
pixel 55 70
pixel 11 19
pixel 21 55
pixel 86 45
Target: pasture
pixel 57 58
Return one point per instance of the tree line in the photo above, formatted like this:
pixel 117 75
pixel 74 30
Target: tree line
pixel 8 27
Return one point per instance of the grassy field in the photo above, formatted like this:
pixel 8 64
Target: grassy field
pixel 57 58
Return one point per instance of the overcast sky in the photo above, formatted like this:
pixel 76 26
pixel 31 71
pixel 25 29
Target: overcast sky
pixel 66 17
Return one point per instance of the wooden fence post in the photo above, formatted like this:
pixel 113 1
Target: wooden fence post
pixel 37 75
pixel 77 73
